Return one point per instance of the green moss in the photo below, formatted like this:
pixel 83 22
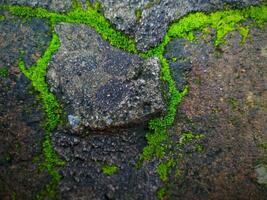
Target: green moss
pixel 37 75
pixel 3 72
pixel 233 103
pixel 52 110
pixel 188 137
pixel 164 168
pixel 138 14
pixel 110 169
pixel 263 146
pixel 161 193
pixel 221 21
pixel 2 18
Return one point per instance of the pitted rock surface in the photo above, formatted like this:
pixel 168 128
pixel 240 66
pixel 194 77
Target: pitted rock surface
pixel 83 177
pixel 103 86
pixel 55 5
pixel 26 39
pixel 156 15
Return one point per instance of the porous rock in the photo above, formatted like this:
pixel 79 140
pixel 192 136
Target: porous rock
pixel 102 86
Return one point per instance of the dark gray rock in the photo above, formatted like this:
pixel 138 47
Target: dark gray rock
pixel 21 138
pixel 55 5
pixel 101 85
pixel 26 39
pixel 83 177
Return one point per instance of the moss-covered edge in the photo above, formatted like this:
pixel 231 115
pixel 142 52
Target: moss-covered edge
pixel 222 21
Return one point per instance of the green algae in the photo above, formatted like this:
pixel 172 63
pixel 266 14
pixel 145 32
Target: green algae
pixel 110 169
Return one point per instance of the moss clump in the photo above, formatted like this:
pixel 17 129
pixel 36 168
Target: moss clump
pixel 161 193
pixel 221 21
pixel 3 72
pixel 164 168
pixel 233 103
pixel 138 14
pixel 2 18
pixel 110 169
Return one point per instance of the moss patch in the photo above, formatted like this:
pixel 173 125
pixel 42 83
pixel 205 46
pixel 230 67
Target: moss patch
pixel 110 169
pixel 3 72
pixel 52 110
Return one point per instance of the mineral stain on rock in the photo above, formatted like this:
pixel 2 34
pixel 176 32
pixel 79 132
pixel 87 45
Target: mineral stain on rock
pixel 104 86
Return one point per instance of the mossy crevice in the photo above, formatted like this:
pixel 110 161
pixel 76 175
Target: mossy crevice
pixel 53 111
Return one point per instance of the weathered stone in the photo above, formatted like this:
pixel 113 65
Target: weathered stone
pixel 85 156
pixel 26 39
pixel 103 86
pixel 55 5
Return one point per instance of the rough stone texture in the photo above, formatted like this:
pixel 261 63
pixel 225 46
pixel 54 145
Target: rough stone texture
pixel 103 86
pixel 20 138
pixel 20 112
pixel 226 103
pixel 83 177
pixel 22 38
pixel 156 15
pixel 54 5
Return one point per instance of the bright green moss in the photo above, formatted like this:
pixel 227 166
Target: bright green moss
pixel 188 137
pixel 52 110
pixel 164 168
pixel 110 169
pixel 37 75
pixel 161 193
pixel 2 18
pixel 3 72
pixel 221 21
pixel 138 14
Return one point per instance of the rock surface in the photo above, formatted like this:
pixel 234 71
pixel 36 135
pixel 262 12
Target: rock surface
pixel 103 86
pixel 54 5
pixel 83 177
pixel 23 39
pixel 227 104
